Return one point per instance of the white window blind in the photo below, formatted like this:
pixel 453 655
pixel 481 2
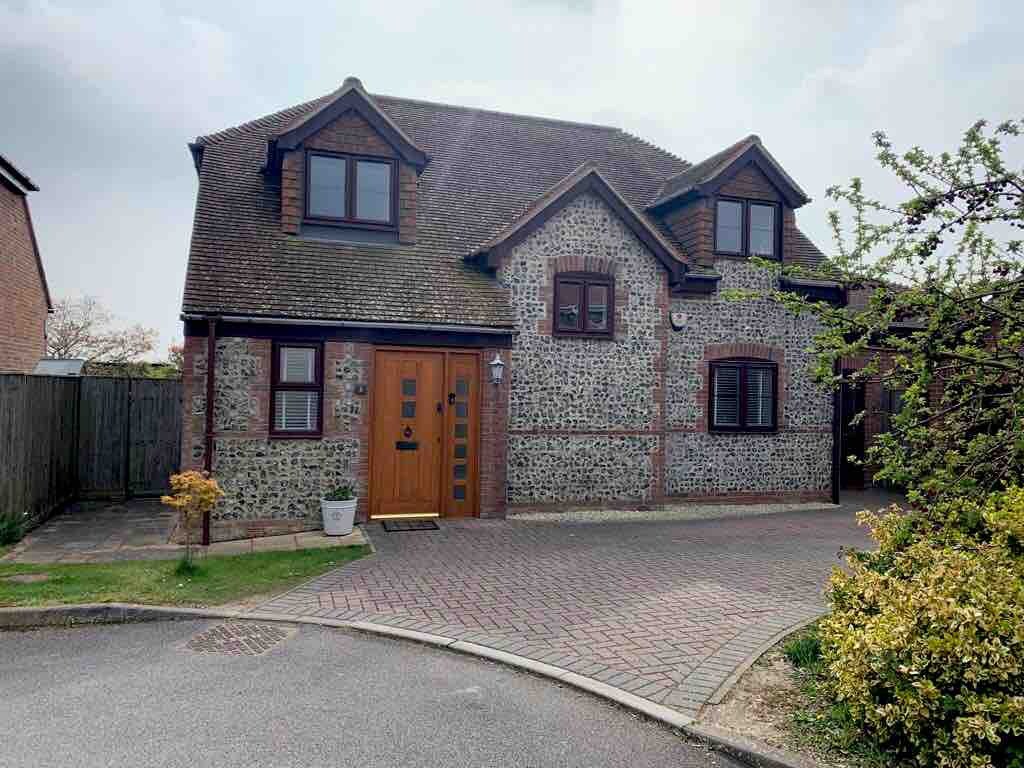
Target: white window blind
pixel 296 411
pixel 726 403
pixel 760 397
pixel 298 365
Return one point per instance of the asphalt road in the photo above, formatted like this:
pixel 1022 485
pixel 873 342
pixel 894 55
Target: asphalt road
pixel 137 695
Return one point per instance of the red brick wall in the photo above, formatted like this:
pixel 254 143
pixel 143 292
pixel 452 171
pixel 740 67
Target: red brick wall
pixel 494 436
pixel 876 397
pixel 349 133
pixel 23 330
pixel 193 426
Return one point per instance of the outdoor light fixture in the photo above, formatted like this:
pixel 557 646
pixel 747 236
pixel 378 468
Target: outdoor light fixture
pixel 497 369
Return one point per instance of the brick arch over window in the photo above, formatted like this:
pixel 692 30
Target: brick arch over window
pixel 594 264
pixel 714 352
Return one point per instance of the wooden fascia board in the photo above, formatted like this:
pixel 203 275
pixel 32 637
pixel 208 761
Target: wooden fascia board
pixel 353 100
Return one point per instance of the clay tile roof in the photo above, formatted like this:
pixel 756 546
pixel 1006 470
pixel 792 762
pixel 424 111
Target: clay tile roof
pixel 486 168
pixel 706 171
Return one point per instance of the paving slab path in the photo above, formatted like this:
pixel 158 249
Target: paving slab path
pixel 666 610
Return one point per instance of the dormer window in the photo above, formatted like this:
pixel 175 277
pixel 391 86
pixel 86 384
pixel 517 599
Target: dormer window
pixel 746 228
pixel 350 190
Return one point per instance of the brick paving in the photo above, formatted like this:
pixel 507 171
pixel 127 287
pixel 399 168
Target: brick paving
pixel 665 610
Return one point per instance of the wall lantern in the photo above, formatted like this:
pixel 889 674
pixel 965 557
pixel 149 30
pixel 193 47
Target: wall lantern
pixel 497 369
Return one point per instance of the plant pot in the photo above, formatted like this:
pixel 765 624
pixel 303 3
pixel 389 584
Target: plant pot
pixel 338 516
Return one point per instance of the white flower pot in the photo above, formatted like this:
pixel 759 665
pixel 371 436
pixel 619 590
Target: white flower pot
pixel 338 516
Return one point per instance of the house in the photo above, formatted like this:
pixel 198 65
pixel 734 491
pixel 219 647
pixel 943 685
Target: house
pixel 464 311
pixel 24 294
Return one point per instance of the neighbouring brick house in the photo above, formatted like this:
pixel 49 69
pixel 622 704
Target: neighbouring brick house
pixel 361 265
pixel 24 295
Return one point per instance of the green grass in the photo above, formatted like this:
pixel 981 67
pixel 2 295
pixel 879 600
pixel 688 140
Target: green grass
pixel 804 651
pixel 211 581
pixel 819 721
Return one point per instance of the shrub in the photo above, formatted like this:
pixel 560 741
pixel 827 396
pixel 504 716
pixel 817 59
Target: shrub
pixel 925 642
pixel 341 493
pixel 195 494
pixel 11 530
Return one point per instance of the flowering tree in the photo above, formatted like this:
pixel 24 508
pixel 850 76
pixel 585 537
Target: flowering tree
pixel 943 275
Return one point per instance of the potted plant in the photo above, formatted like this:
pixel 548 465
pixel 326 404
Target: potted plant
pixel 338 508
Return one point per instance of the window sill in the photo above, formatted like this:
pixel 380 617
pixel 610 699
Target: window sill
pixel 743 431
pixel 296 435
pixel 590 336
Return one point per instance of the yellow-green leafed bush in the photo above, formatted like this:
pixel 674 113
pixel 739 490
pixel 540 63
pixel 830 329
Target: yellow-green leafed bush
pixel 925 642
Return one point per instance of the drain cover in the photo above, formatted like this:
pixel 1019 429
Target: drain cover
pixel 395 526
pixel 242 638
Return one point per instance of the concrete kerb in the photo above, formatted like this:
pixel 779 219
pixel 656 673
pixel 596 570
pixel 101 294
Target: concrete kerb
pixel 119 613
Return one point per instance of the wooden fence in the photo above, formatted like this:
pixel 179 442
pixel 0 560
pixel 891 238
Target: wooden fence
pixel 91 438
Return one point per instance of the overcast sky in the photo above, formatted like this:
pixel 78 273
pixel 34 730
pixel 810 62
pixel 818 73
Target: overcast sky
pixel 98 100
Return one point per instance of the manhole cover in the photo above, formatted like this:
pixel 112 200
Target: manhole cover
pixel 241 638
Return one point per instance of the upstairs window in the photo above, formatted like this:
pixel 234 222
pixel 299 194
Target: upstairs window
pixel 744 396
pixel 584 305
pixel 746 228
pixel 350 190
pixel 296 390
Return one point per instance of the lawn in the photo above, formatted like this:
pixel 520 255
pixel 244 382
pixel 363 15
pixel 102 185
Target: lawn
pixel 212 581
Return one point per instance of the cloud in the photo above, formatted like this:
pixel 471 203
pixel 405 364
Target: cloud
pixel 100 99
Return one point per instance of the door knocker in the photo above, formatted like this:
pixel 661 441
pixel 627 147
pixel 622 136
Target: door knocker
pixel 407 432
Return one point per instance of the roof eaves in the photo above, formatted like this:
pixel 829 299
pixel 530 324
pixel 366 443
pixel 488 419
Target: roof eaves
pixel 9 173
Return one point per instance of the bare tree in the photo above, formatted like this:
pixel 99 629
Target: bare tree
pixel 83 329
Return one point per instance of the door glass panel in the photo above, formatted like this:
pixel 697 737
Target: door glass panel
pixel 459 492
pixel 460 451
pixel 460 472
pixel 461 429
pixel 409 387
pixel 462 387
pixel 409 409
pixel 461 410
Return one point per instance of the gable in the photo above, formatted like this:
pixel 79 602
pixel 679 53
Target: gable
pixel 751 182
pixel 350 98
pixel 584 181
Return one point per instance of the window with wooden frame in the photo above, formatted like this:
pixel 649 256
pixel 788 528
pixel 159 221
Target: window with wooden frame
pixel 743 396
pixel 296 391
pixel 747 228
pixel 584 305
pixel 351 190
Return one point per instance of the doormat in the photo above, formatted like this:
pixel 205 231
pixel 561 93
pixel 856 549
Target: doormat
pixel 400 526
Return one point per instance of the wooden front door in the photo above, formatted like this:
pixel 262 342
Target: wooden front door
pixel 425 433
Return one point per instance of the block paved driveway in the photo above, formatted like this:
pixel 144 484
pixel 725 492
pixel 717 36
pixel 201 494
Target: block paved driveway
pixel 666 610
